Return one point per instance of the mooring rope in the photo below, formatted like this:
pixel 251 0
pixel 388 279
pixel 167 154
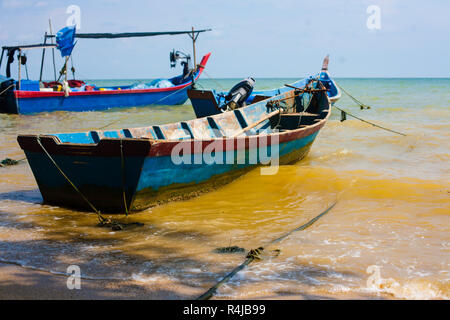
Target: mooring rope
pixel 103 222
pixel 154 103
pixel 12 85
pixel 254 254
pixel 215 81
pixel 100 217
pixel 122 164
pixel 362 105
pixel 373 124
pixel 10 162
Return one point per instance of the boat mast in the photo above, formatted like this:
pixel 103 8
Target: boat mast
pixel 43 55
pixel 193 37
pixel 53 50
pixel 1 57
pixel 20 58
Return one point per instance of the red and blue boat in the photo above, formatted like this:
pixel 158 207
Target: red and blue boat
pixel 24 96
pixel 135 168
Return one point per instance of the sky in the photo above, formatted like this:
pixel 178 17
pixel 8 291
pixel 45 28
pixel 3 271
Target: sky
pixel 259 38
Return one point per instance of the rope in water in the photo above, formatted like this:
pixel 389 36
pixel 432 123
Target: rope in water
pixel 373 124
pixel 10 162
pixel 253 255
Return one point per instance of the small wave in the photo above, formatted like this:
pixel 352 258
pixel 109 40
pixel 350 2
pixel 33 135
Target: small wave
pixel 415 289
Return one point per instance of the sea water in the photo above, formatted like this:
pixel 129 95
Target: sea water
pixel 387 237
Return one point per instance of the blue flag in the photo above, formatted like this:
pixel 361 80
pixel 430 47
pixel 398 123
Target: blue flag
pixel 65 40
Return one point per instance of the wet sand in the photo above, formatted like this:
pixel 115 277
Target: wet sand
pixel 27 284
pixel 19 283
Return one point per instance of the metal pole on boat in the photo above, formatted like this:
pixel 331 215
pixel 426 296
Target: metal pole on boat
pixel 43 55
pixel 53 50
pixel 20 58
pixel 65 67
pixel 193 48
pixel 1 57
pixel 66 84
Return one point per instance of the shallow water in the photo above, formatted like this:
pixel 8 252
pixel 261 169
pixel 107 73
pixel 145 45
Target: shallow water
pixel 388 234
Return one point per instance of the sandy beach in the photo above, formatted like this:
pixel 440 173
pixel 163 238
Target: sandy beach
pixel 23 283
pixel 19 283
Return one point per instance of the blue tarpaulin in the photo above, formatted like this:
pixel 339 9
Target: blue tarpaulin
pixel 65 40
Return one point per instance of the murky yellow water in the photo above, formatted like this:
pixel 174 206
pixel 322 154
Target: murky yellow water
pixel 389 234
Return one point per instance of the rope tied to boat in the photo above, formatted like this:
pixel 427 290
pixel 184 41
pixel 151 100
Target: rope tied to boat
pixel 151 104
pixel 343 118
pixel 103 222
pixel 10 162
pixel 12 85
pixel 255 254
pixel 214 80
pixel 361 105
pixel 122 165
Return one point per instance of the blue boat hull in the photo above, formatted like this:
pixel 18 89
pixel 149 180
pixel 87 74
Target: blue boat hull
pixel 32 101
pixel 206 103
pixel 132 169
pixel 99 102
pixel 149 181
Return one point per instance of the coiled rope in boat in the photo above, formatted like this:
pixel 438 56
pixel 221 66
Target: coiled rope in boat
pixel 254 254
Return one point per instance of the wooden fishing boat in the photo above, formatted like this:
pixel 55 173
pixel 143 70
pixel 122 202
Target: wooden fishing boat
pixel 135 168
pixel 24 96
pixel 210 102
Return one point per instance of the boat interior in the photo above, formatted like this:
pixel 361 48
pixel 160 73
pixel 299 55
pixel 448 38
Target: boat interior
pixel 297 111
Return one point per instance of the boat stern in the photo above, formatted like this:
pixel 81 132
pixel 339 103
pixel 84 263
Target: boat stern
pixel 105 173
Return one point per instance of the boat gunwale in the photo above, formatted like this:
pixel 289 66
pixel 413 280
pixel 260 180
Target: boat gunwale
pixel 334 98
pixel 24 94
pixel 159 147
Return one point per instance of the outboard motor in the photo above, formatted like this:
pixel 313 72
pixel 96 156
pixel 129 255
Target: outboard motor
pixel 178 55
pixel 239 93
pixel 6 86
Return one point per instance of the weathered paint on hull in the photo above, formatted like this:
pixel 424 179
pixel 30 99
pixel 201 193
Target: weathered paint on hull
pixel 29 102
pixel 102 180
pixel 160 163
pixel 146 181
pixel 99 102
pixel 194 180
